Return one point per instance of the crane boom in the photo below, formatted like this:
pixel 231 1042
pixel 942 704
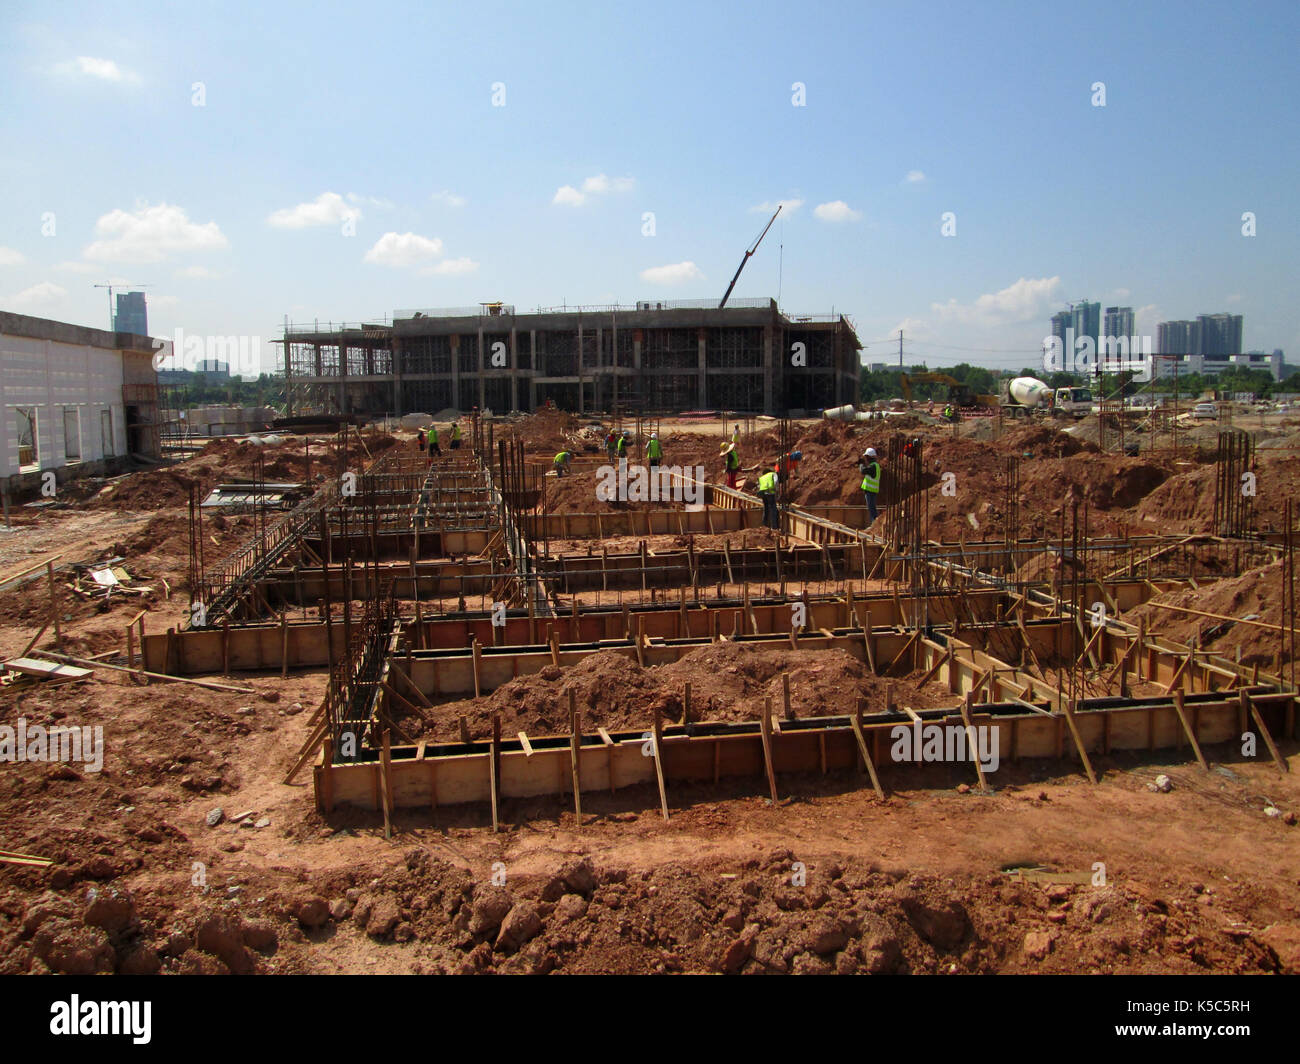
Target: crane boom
pixel 748 253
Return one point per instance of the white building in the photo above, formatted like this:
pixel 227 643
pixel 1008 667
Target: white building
pixel 74 400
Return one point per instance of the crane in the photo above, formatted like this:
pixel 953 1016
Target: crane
pixel 752 248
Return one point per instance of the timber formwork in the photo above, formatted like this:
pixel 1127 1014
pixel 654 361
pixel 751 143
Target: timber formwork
pixel 417 584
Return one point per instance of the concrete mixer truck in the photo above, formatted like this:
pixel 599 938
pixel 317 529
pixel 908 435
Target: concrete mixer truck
pixel 1025 396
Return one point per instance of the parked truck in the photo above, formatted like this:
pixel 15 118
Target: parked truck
pixel 1025 396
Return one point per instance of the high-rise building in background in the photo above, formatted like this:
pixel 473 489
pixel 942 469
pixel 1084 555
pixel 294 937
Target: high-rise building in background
pixel 1061 323
pixel 1209 334
pixel 131 316
pixel 1119 321
pixel 1087 322
pixel 1220 334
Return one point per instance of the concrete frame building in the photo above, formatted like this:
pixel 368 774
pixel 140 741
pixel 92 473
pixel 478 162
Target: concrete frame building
pixel 74 400
pixel 657 356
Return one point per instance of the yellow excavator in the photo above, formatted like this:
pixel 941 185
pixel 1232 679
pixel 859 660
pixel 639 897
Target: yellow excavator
pixel 960 395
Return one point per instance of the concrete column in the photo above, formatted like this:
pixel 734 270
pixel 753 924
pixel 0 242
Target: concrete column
pixel 343 378
pixel 581 405
pixel 532 378
pixel 769 405
pixel 482 383
pixel 703 383
pixel 514 368
pixel 397 376
pixel 454 341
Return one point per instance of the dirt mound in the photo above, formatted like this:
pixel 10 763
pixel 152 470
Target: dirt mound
pixel 1256 595
pixel 729 682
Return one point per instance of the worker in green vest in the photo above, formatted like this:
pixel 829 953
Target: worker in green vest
pixel 620 448
pixel 767 492
pixel 455 435
pixel 654 450
pixel 732 463
pixel 433 441
pixel 562 461
pixel 870 466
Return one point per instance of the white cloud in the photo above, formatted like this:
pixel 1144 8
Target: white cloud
pixel 676 273
pixel 371 201
pixel 104 69
pixel 196 273
pixel 77 267
pixel 39 295
pixel 836 211
pixel 10 257
pixel 158 302
pixel 329 208
pixel 914 177
pixel 599 185
pixel 450 267
pixel 1234 298
pixel 788 206
pixel 1027 299
pixel 448 199
pixel 150 234
pixel 404 249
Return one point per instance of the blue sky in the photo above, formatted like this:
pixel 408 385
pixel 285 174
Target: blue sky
pixel 349 160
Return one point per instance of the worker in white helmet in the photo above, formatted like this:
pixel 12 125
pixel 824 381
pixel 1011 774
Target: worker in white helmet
pixel 654 450
pixel 870 466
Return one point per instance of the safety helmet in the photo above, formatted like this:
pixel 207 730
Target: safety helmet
pixel 871 452
pixel 654 435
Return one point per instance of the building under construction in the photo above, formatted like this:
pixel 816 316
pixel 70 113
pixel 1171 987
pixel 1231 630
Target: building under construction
pixel 655 356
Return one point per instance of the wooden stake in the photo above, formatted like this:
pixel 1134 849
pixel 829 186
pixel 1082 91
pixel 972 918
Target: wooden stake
pixel 575 740
pixel 657 737
pixel 765 731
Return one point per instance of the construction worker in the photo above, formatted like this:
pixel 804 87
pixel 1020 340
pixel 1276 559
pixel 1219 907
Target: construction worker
pixel 562 461
pixel 948 412
pixel 455 435
pixel 620 448
pixel 654 450
pixel 433 441
pixel 767 492
pixel 870 466
pixel 611 443
pixel 732 459
pixel 735 434
pixel 789 463
pixel 419 439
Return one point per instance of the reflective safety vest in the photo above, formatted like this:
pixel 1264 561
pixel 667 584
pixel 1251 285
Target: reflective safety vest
pixel 562 457
pixel 653 450
pixel 767 482
pixel 871 480
pixel 455 432
pixel 621 446
pixel 433 434
pixel 733 461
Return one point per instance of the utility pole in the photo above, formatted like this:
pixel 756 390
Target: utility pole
pixel 900 348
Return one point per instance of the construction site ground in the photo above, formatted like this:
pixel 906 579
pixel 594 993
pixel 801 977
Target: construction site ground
pixel 1046 873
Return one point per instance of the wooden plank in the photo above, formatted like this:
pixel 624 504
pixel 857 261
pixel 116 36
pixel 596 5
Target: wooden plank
pixel 765 731
pixel 386 774
pixel 494 780
pixel 856 722
pixel 657 738
pixel 1078 740
pixel 528 747
pixel 1188 730
pixel 46 669
pixel 210 684
pixel 1278 759
pixel 575 741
